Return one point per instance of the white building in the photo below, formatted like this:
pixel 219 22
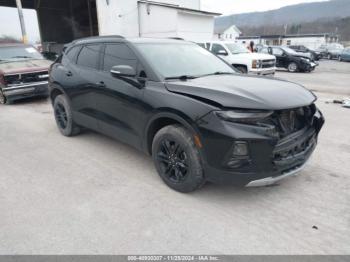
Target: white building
pixel 61 21
pixel 226 33
pixel 312 41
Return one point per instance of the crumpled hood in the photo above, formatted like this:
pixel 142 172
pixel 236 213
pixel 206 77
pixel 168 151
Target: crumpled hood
pixel 23 66
pixel 249 92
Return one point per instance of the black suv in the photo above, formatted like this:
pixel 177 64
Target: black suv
pixel 313 55
pixel 199 119
pixel 289 59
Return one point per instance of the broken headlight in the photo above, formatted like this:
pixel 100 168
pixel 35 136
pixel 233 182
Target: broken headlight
pixel 244 116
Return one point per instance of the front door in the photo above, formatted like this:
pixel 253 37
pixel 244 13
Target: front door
pixel 280 57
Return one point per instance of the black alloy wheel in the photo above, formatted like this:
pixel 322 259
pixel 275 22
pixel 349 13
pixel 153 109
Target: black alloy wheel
pixel 64 117
pixel 61 116
pixel 173 161
pixel 177 159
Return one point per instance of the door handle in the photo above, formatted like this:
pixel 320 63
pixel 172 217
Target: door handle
pixel 101 84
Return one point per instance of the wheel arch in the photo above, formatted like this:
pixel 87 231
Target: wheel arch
pixel 160 120
pixel 56 90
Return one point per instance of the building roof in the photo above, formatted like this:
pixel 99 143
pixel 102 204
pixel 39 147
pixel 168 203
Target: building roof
pixel 179 8
pixel 219 29
pixel 287 36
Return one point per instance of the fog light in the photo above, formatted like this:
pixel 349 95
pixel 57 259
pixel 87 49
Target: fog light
pixel 240 149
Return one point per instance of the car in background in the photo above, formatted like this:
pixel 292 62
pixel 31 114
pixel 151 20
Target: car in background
pixel 313 55
pixel 242 59
pixel 288 59
pixel 331 51
pixel 23 73
pixel 345 55
pixel 192 112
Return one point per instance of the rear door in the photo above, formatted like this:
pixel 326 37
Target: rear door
pixel 83 95
pixel 119 101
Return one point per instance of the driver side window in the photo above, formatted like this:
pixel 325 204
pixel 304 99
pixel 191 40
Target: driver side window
pixel 118 54
pixel 277 51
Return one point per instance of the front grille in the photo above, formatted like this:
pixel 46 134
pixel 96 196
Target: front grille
pixel 290 121
pixel 26 78
pixel 268 63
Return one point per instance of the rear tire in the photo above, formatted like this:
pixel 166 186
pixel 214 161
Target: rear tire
pixel 3 99
pixel 177 159
pixel 292 67
pixel 64 117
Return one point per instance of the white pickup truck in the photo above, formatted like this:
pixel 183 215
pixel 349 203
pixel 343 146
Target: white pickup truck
pixel 242 59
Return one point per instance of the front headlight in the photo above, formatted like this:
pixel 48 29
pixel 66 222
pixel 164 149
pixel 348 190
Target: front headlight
pixel 306 60
pixel 244 116
pixel 256 64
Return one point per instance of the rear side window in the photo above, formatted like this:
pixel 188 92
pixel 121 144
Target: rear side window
pixel 118 54
pixel 216 48
pixel 89 56
pixel 72 53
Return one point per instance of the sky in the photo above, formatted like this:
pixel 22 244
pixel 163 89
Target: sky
pixel 9 24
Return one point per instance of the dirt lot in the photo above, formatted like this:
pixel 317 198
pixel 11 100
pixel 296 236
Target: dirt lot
pixel 93 195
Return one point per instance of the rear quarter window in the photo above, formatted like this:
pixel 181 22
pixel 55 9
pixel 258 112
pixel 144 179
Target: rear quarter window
pixel 89 56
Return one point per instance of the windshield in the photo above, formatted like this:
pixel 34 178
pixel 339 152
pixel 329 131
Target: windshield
pixel 182 59
pixel 13 53
pixel 289 50
pixel 237 49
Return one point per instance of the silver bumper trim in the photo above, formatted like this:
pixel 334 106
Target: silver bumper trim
pixel 22 89
pixel 272 180
pixel 7 88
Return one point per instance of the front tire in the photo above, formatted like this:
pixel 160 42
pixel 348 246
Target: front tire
pixel 177 159
pixel 292 67
pixel 64 117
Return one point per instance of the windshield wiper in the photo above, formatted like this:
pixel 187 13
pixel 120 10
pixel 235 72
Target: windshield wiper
pixel 183 77
pixel 218 73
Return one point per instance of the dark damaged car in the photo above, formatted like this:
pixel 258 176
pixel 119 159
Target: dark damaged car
pixel 199 119
pixel 23 73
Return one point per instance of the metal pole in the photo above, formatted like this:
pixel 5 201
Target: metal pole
pixel 21 20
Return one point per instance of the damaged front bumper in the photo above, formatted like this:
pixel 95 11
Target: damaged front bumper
pixel 269 159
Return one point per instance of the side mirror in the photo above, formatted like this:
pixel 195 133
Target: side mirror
pixel 123 71
pixel 222 52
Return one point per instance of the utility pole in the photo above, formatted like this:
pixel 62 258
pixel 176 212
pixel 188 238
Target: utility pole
pixel 21 20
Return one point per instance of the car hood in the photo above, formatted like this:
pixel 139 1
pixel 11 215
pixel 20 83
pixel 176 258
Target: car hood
pixel 248 92
pixel 300 55
pixel 257 56
pixel 23 66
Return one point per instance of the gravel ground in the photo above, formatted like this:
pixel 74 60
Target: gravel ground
pixel 93 195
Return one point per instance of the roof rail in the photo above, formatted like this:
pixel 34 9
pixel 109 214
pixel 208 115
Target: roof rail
pixel 98 37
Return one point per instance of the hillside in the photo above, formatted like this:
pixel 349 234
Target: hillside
pixel 294 16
